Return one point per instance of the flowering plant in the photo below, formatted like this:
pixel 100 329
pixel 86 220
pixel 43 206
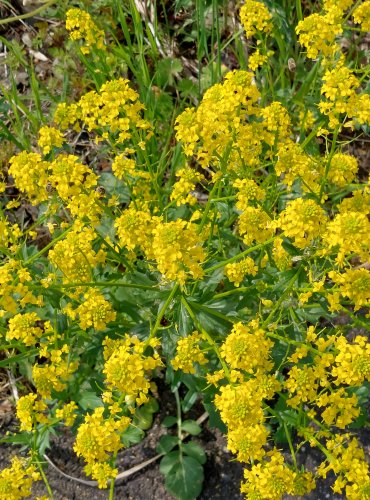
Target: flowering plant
pixel 224 270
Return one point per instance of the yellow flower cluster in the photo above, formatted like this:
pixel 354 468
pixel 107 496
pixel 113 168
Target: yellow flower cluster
pixel 247 348
pixel 273 478
pixel 317 32
pixel 29 412
pixel 23 327
pixel 177 248
pixel 14 290
pixel 354 284
pixel 97 441
pixel 188 352
pixel 248 190
pixel 183 187
pixel 82 27
pixel 74 256
pixel 352 361
pixel 294 164
pixel 349 231
pixel 94 311
pixel 340 408
pixel 53 376
pixel 255 17
pixel 236 271
pixel 49 137
pixel 113 112
pixel 255 224
pixel 361 15
pixel 30 174
pixel 256 60
pixel 67 413
pixel 16 481
pixel 303 221
pixel 348 462
pixel 127 369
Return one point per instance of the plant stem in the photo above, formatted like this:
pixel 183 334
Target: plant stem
pixel 44 478
pixel 239 255
pixel 28 14
pixel 161 313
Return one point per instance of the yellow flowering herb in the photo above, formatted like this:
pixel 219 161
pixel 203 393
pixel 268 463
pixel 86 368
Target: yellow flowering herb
pixel 127 369
pixel 247 348
pixel 188 352
pixel 16 481
pixel 302 220
pixel 49 137
pixel 255 17
pixel 82 27
pixel 23 327
pixel 236 271
pixel 29 412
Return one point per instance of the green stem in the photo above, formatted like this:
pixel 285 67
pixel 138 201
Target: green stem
pixel 161 313
pixel 179 421
pixel 232 292
pixel 239 255
pixel 46 247
pixel 28 14
pixel 287 433
pixel 327 167
pixel 44 478
pixel 282 298
pixel 97 283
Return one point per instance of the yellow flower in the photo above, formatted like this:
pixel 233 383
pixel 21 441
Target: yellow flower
pixel 94 311
pixel 16 481
pixel 82 27
pixel 22 327
pixel 67 413
pixel 49 137
pixel 236 271
pixel 255 17
pixel 29 412
pixel 183 187
pixel 247 348
pixel 352 361
pixel 187 353
pixel 255 225
pixel 269 479
pixel 340 408
pixel 354 284
pixel 303 220
pixel 177 248
pixel 361 15
pixel 248 442
pixel 127 369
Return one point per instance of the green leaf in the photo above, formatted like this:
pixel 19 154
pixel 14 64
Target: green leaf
pixel 193 449
pixel 132 435
pixel 169 421
pixel 166 443
pixel 89 400
pixel 191 427
pixel 168 461
pixel 189 400
pixel 185 479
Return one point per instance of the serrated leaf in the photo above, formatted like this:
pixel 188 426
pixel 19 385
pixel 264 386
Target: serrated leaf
pixel 166 443
pixel 185 479
pixel 191 427
pixel 194 450
pixel 169 421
